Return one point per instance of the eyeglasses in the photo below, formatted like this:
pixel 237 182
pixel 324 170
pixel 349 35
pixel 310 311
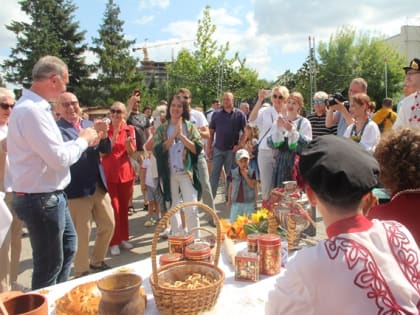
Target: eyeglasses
pixel 115 111
pixel 318 102
pixel 72 103
pixel 6 106
pixel 278 96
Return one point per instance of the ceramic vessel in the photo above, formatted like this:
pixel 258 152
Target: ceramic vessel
pixel 120 294
pixel 27 304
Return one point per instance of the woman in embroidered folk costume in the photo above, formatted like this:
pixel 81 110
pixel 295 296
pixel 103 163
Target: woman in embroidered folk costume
pixel 289 134
pixel 398 155
pixel 364 267
pixel 363 130
pixel 176 148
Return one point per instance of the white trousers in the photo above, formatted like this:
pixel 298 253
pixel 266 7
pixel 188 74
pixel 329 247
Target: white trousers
pixel 181 182
pixel 266 164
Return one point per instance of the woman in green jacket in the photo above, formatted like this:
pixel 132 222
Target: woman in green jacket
pixel 177 146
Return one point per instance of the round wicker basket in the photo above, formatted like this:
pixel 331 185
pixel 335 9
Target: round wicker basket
pixel 171 301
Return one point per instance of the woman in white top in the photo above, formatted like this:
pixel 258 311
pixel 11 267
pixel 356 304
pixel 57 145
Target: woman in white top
pixel 264 118
pixel 363 130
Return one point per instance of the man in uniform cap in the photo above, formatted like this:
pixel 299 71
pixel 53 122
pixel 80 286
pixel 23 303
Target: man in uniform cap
pixel 409 108
pixel 371 267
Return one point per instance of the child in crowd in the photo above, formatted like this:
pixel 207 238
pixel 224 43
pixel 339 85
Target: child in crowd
pixel 242 190
pixel 251 141
pixel 153 192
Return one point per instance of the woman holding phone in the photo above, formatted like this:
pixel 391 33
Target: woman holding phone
pixel 120 174
pixel 263 118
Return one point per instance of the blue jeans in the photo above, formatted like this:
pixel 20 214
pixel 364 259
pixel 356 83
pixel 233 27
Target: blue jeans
pixel 220 158
pixel 51 233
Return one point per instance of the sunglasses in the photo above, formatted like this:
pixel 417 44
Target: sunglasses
pixel 318 102
pixel 6 106
pixel 278 96
pixel 72 103
pixel 115 111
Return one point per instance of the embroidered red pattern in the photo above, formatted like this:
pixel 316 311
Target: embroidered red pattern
pixel 407 258
pixel 369 276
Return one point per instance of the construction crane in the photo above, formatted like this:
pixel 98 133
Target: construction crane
pixel 146 47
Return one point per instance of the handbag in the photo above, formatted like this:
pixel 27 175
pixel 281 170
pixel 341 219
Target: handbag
pixel 256 147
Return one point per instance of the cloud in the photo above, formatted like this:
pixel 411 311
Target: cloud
pixel 10 11
pixel 148 4
pixel 143 20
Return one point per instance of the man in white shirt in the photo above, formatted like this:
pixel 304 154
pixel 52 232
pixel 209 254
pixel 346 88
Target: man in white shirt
pixel 200 121
pixel 409 111
pixel 40 161
pixel 364 267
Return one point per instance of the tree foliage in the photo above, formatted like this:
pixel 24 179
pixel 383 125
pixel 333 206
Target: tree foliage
pixel 348 56
pixel 207 71
pixel 344 57
pixel 116 68
pixel 51 31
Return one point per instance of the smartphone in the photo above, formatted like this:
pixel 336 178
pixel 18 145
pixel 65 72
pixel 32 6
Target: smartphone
pixel 267 93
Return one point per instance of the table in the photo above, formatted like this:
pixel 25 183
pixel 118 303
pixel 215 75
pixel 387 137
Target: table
pixel 236 297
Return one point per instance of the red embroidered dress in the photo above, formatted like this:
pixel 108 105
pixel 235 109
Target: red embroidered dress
pixel 364 267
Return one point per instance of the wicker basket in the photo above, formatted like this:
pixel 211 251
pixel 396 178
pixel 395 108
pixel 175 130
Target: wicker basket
pixel 171 301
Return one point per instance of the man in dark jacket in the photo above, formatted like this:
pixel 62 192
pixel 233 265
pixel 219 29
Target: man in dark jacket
pixel 87 194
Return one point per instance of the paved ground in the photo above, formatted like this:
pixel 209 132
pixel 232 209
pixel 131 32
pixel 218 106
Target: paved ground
pixel 140 236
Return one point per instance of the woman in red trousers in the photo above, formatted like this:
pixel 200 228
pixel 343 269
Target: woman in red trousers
pixel 120 174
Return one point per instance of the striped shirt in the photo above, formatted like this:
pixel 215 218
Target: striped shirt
pixel 318 126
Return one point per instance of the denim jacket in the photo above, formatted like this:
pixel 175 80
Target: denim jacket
pixel 249 193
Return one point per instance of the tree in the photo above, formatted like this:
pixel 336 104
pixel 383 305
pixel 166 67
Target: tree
pixel 116 68
pixel 52 31
pixel 347 56
pixel 207 72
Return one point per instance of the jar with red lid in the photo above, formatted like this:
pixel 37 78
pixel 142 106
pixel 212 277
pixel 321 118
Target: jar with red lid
pixel 269 247
pixel 178 243
pixel 199 251
pixel 169 258
pixel 252 241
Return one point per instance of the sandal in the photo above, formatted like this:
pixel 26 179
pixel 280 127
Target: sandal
pixel 130 210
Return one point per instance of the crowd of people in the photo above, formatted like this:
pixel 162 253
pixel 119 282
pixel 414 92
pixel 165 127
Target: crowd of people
pixel 59 175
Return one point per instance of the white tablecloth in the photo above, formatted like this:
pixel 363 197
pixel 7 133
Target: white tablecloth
pixel 236 297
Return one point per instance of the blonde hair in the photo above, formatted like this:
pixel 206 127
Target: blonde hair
pixel 284 91
pixel 298 97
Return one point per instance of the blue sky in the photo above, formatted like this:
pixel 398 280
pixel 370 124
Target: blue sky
pixel 271 34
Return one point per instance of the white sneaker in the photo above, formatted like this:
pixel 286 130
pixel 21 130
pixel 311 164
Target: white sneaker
pixel 165 233
pixel 126 245
pixel 115 250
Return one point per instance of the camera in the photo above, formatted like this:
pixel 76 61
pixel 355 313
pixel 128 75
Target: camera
pixel 332 99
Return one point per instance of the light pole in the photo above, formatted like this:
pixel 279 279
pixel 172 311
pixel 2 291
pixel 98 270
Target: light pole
pixel 386 76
